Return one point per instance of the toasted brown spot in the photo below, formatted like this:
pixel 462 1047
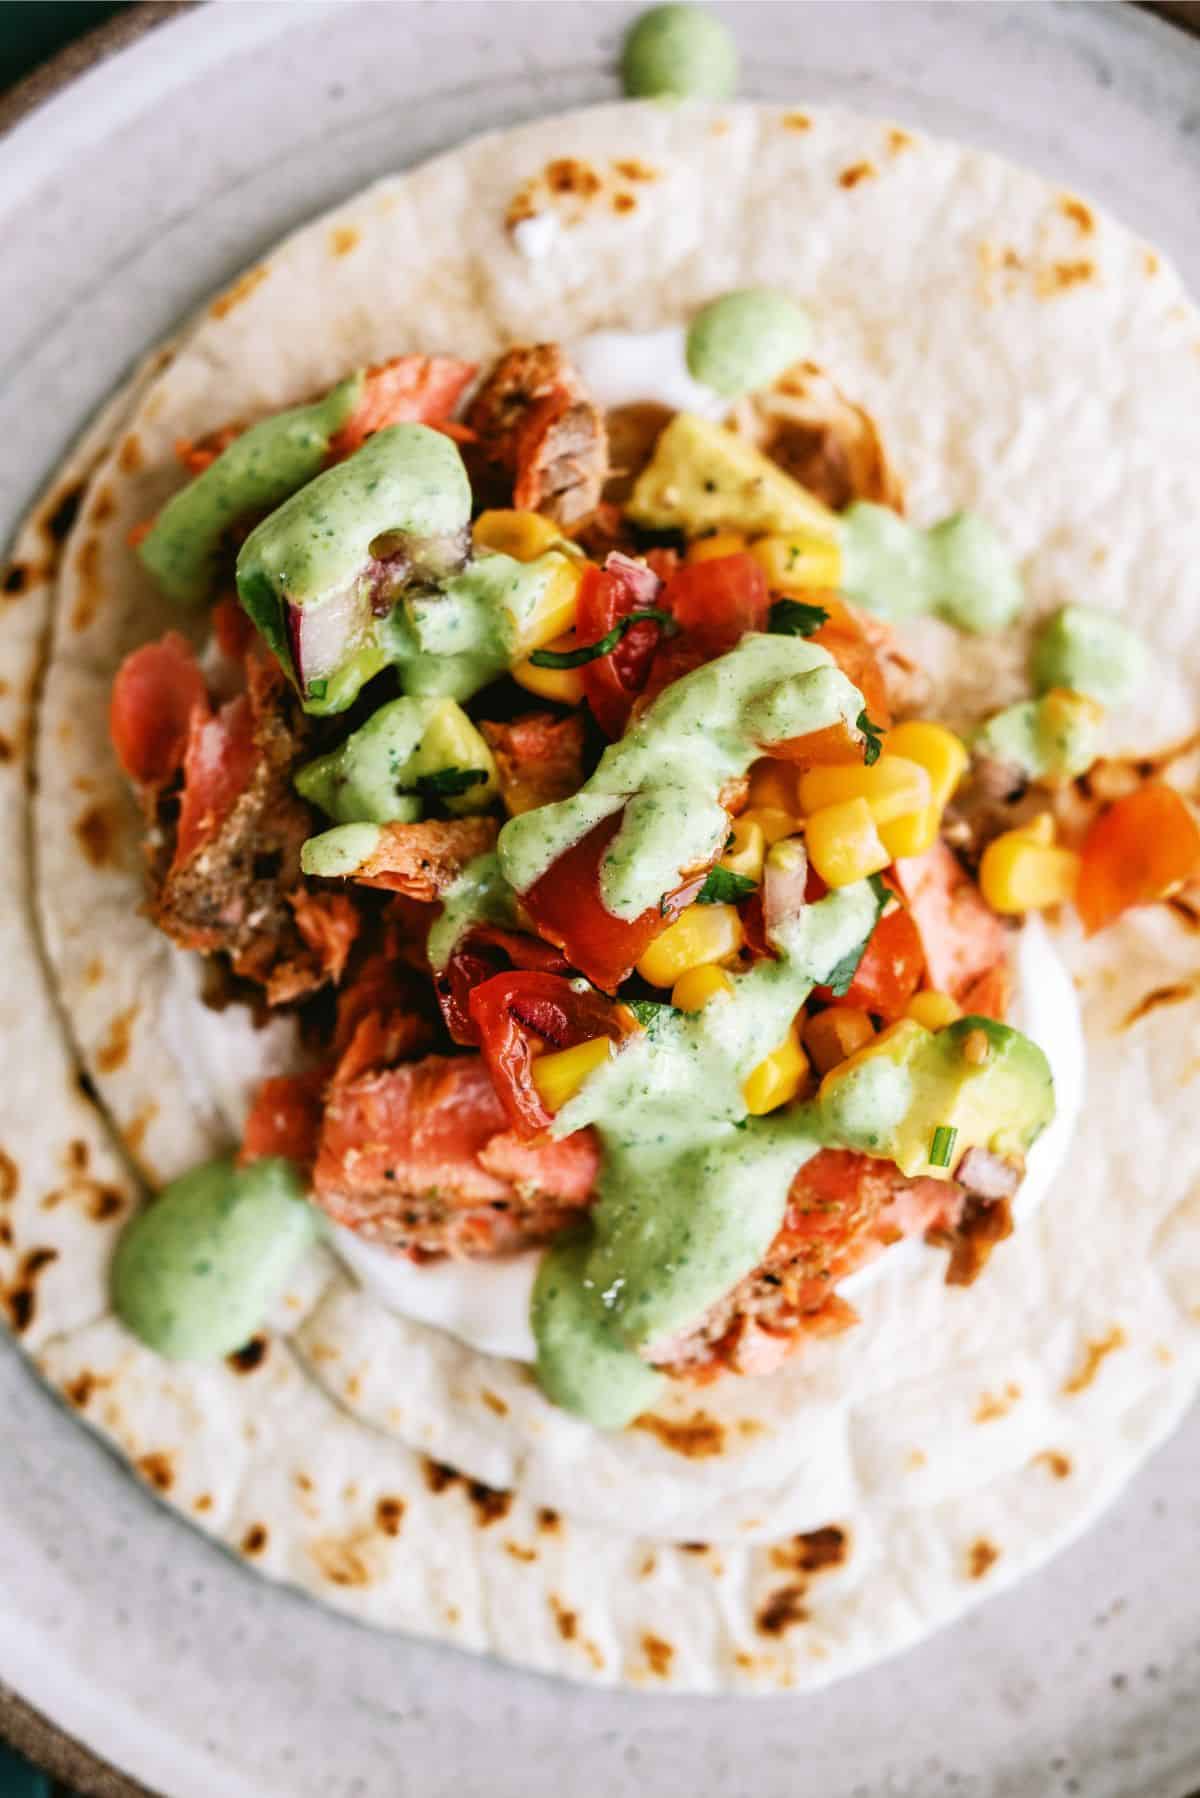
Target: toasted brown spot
pixel 129 456
pixel 255 1539
pixel 1061 275
pixel 796 121
pixel 698 1437
pixel 438 1475
pixel 659 1655
pixel 1185 910
pixel 858 171
pixel 241 290
pixel 75 1156
pixel 203 1503
pixel 494 1403
pixel 1175 994
pixel 814 1551
pixel 567 1621
pixel 113 1052
pixel 649 1565
pixel 87 567
pixel 567 175
pixel 623 202
pixel 521 206
pixel 16 578
pixel 1093 1354
pixel 389 1515
pixel 304 1483
pixel 252 1355
pixel 7 750
pixel 6 1233
pixel 96 830
pixel 9 1178
pixel 548 1521
pixel 898 141
pixel 158 1470
pixel 490 1504
pixel 21 1298
pixel 354 1388
pixel 82 1389
pixel 781 1610
pixel 633 170
pixel 1150 262
pixel 996 1404
pixel 1055 1462
pixel 719 128
pixel 103 506
pixel 1078 213
pixel 93 974
pixel 980 1556
pixel 694 1548
pixel 344 239
pixel 519 1552
pixel 341 1562
pixel 104 1202
pixel 135 1135
pixel 62 512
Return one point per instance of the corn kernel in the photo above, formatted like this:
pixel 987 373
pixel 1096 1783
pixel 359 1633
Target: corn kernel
pixel 701 934
pixel 892 787
pixel 771 821
pixel 1038 830
pixel 562 684
pixel 554 611
pixel 912 834
pixel 942 755
pixel 778 1078
pixel 559 1075
pixel 830 1036
pixel 693 990
pixel 522 535
pixel 746 853
pixel 721 543
pixel 798 561
pixel 1019 875
pixel 843 843
pixel 773 785
pixel 933 1011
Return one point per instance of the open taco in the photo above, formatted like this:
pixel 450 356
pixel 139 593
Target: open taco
pixel 563 714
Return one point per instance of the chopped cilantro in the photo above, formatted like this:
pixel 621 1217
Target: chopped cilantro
pixel 941 1148
pixel 795 618
pixel 724 887
pixel 649 1012
pixel 604 646
pixel 317 689
pixel 843 974
pixel 874 735
pixel 447 783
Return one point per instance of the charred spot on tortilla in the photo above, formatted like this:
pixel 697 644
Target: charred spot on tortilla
pixel 568 175
pixel 91 591
pixel 16 578
pixel 518 1552
pixel 203 1503
pixel 252 1356
pixel 113 1052
pixel 1176 993
pixel 898 140
pixel 1063 275
pixel 693 1548
pixel 62 512
pixel 129 456
pixel 814 1551
pixel 624 202
pixel 633 170
pixel 698 1437
pixel 80 1391
pixel 135 1130
pixel 1055 1462
pixel 103 506
pixel 1080 215
pixel 981 1557
pixel 96 830
pixel 343 239
pixel 566 1620
pixel 548 1521
pixel 7 749
pixel 255 1539
pixel 10 1177
pixel 857 172
pixel 997 1404
pixel 796 121
pixel 226 302
pixel 75 1156
pixel 781 1611
pixel 21 1298
pixel 389 1515
pixel 158 1470
pixel 659 1655
pixel 494 1402
pixel 1095 1351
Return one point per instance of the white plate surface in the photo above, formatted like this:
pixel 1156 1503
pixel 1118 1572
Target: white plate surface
pixel 126 199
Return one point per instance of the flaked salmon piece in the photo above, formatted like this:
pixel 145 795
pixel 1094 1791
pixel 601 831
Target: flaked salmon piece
pixel 156 691
pixel 539 429
pixel 420 1158
pixel 965 943
pixel 422 860
pixel 406 390
pixel 539 758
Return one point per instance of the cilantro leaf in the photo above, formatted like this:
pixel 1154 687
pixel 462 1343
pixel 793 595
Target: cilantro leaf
pixel 874 735
pixel 649 1012
pixel 795 618
pixel 447 783
pixel 724 887
pixel 840 978
pixel 604 646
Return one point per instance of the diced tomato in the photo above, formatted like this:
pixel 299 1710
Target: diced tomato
pixel 962 938
pixel 518 1015
pixel 848 643
pixel 715 603
pixel 285 1119
pixel 485 951
pixel 990 994
pixel 406 390
pixel 890 971
pixel 217 764
pixel 154 695
pixel 1137 851
pixel 611 683
pixel 232 627
pixel 566 909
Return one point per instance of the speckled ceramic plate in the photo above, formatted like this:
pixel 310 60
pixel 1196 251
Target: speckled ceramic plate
pixel 127 196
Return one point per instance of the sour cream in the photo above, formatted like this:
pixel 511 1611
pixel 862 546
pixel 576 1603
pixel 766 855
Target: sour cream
pixel 625 368
pixel 486 1303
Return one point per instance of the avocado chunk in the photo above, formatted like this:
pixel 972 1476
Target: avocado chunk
pixel 983 1080
pixel 407 752
pixel 1090 652
pixel 1054 737
pixel 702 477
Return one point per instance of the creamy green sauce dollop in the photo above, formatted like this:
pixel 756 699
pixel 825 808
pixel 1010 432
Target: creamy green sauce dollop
pixel 669 767
pixel 746 339
pixel 454 641
pixel 480 895
pixel 958 569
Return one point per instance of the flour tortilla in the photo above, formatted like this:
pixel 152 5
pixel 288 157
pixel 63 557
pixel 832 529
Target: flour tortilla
pixel 1021 354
